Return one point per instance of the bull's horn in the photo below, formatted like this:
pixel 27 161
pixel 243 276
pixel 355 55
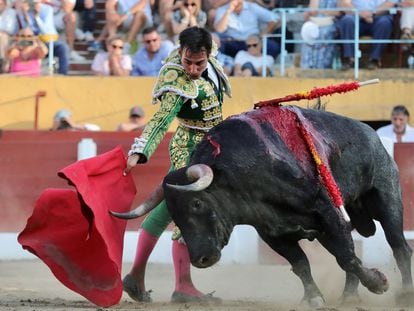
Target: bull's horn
pixel 154 199
pixel 201 174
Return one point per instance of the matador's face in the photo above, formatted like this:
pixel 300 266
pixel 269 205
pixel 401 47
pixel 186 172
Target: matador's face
pixel 194 63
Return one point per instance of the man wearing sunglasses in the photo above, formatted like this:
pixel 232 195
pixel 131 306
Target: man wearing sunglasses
pixel 191 86
pixel 249 63
pixel 148 60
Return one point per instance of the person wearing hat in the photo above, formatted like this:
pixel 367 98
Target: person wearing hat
pixel 62 120
pixel 136 120
pixel 319 25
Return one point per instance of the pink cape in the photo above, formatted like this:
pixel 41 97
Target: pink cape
pixel 73 233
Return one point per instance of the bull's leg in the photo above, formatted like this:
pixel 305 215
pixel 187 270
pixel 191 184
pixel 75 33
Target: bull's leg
pixel 338 241
pixel 350 292
pixel 300 266
pixel 389 212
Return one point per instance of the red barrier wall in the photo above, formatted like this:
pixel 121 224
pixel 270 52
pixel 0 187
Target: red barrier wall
pixel 404 156
pixel 30 160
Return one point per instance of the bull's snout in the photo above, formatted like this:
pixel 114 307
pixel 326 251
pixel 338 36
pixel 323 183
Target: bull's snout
pixel 206 261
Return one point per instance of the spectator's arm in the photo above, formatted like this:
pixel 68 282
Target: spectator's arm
pixel 13 52
pixel 221 24
pixel 138 7
pixel 182 24
pixel 313 6
pixel 116 67
pixel 270 27
pixel 406 3
pixel 68 6
pixel 46 26
pixel 41 49
pixel 218 3
pixel 237 70
pixel 110 8
pixel 384 7
pixel 238 62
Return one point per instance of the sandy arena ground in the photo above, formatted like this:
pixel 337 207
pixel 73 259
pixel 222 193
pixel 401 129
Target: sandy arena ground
pixel 29 285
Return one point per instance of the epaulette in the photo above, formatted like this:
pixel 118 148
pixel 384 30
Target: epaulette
pixel 173 78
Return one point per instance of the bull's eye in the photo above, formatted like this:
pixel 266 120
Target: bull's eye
pixel 197 205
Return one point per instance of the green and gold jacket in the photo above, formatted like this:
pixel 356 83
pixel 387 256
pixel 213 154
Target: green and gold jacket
pixel 197 104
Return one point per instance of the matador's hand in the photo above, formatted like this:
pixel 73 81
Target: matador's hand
pixel 131 163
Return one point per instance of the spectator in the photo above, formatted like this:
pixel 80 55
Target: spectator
pixel 374 20
pixel 249 63
pixel 130 15
pixel 226 61
pixel 87 10
pixel 26 54
pixel 113 62
pixel 399 130
pixel 8 27
pixel 239 19
pixel 148 60
pixel 162 16
pixel 136 120
pixel 323 22
pixel 407 22
pixel 39 17
pixel 210 7
pixel 65 21
pixel 189 14
pixel 62 120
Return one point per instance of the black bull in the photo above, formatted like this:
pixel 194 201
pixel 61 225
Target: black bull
pixel 255 169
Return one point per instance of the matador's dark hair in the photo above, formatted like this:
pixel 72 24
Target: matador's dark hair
pixel 196 39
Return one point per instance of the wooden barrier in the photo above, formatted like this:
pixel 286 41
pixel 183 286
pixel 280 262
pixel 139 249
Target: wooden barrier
pixel 30 160
pixel 404 156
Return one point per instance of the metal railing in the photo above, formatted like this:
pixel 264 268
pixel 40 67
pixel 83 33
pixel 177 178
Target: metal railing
pixel 357 41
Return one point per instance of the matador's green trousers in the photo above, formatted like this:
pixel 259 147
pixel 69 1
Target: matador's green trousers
pixel 181 146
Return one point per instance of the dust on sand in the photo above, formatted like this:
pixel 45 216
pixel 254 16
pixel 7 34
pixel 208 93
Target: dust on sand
pixel 29 285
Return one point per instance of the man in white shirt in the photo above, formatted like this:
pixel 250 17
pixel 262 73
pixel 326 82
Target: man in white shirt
pixel 399 130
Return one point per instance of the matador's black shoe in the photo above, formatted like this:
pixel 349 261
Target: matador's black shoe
pixel 131 288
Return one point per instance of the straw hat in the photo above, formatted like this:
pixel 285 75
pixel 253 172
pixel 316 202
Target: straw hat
pixel 309 32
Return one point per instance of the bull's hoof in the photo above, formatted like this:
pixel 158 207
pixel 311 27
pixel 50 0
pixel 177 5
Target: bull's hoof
pixel 350 299
pixel 313 302
pixel 376 282
pixel 405 298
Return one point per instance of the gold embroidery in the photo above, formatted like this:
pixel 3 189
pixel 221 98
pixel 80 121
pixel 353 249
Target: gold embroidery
pixel 170 76
pixel 183 144
pixel 202 124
